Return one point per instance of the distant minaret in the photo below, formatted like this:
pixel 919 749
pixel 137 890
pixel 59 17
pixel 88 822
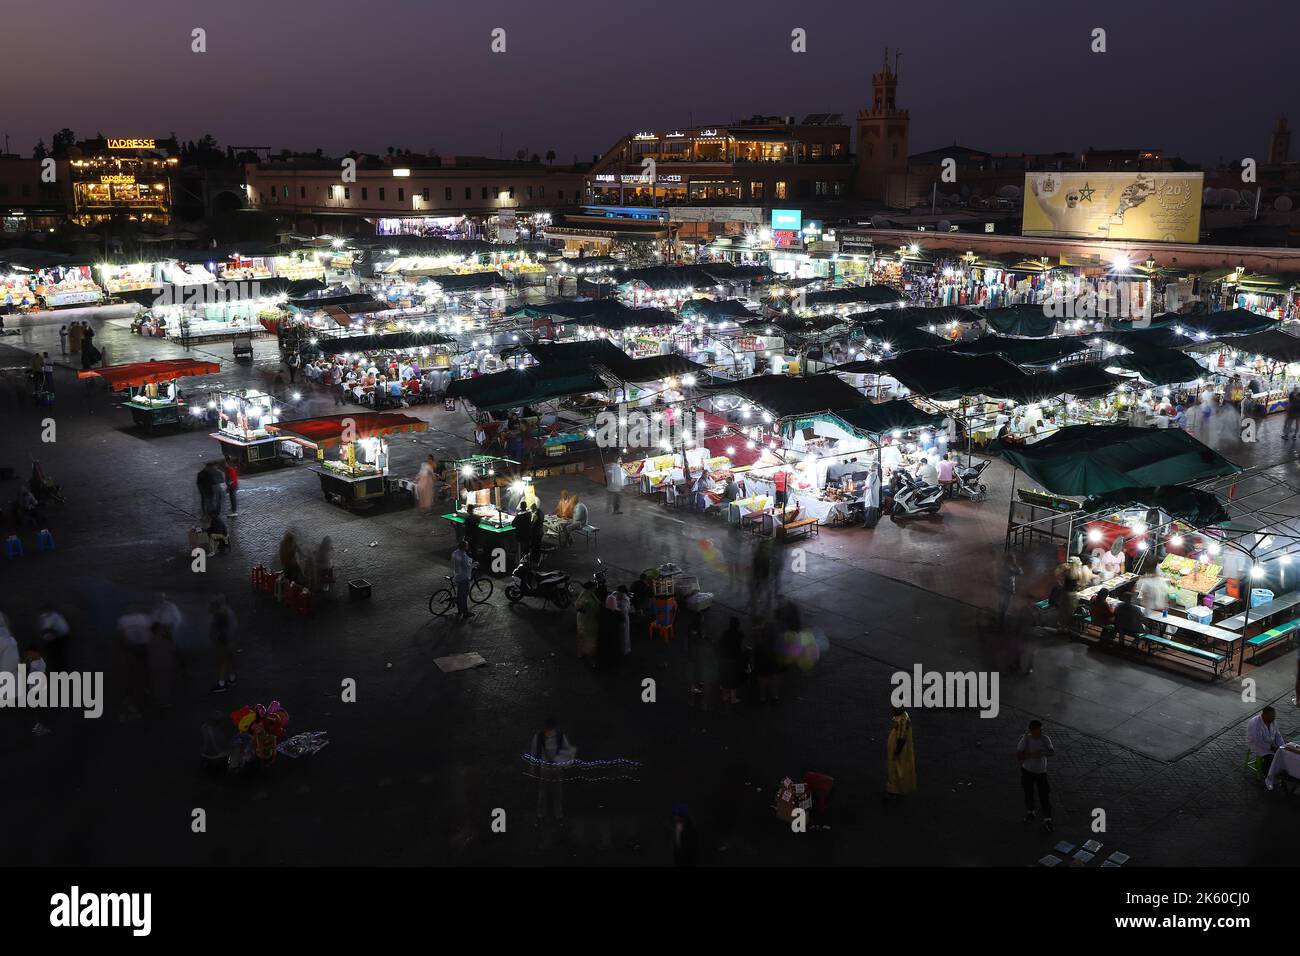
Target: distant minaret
pixel 882 134
pixel 1279 147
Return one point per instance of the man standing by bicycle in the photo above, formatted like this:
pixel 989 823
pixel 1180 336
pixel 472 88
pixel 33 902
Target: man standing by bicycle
pixel 462 576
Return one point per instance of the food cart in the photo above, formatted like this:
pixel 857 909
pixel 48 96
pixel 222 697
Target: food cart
pixel 243 430
pixel 480 481
pixel 357 475
pixel 153 397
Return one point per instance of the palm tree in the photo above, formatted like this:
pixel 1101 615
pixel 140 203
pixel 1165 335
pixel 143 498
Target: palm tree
pixel 550 155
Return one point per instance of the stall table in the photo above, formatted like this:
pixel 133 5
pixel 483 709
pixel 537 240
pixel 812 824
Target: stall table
pixel 1229 639
pixel 1259 614
pixel 351 490
pixel 150 414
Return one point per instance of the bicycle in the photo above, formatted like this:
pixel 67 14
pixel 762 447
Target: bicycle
pixel 444 599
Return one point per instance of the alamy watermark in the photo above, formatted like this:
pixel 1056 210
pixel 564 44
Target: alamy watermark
pixel 38 690
pixel 635 428
pixel 207 293
pixel 946 689
pixel 1116 300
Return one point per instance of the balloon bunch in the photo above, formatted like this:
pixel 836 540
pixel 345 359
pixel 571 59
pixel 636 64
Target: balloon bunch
pixel 803 649
pixel 261 727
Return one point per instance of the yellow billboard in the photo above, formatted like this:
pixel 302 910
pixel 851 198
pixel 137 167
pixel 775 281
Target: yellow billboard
pixel 1164 207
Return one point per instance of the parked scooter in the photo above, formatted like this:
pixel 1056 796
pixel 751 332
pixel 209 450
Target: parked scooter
pixel 550 586
pixel 914 499
pixel 968 485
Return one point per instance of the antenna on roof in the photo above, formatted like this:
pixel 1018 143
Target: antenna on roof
pixel 897 54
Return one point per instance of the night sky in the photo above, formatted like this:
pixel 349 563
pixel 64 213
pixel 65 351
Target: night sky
pixel 1189 76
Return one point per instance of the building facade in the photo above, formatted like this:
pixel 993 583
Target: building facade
pixel 121 180
pixel 882 136
pixel 27 202
pixel 762 161
pixel 399 199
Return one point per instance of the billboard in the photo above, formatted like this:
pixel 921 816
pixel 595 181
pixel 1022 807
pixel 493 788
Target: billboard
pixel 787 219
pixel 1165 207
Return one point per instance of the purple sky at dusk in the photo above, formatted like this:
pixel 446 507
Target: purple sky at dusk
pixel 1190 76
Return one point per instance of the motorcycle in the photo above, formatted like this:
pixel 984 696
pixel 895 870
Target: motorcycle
pixel 914 499
pixel 968 484
pixel 551 586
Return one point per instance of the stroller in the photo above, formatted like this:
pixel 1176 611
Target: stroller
pixel 968 484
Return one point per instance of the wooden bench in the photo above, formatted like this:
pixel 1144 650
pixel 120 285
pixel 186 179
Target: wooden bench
pixel 1266 639
pixel 804 526
pixel 1193 655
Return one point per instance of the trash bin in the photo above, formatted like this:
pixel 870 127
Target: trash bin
pixel 1260 596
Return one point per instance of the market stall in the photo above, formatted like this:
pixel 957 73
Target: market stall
pixel 244 427
pixel 153 397
pixel 356 476
pixel 490 491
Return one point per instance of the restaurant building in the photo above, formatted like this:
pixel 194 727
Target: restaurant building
pixel 761 161
pixel 449 195
pixel 121 179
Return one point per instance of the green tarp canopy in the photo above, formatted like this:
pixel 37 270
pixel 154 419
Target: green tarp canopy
pixel 1196 507
pixel 338 344
pixel 654 367
pixel 1084 380
pixel 600 313
pixel 714 310
pixel 1025 320
pixel 894 337
pixel 1095 459
pixel 1206 325
pixel 869 294
pixel 525 386
pixel 470 281
pixel 921 318
pixel 1167 337
pixel 1159 366
pixel 1022 351
pixel 944 375
pixel 584 353
pixel 885 417
pixel 787 396
pixel 1273 344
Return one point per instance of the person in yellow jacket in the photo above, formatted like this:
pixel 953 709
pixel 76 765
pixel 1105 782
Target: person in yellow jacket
pixel 900 756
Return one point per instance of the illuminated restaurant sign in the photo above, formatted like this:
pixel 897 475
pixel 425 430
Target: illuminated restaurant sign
pixel 645 136
pixel 119 179
pixel 132 144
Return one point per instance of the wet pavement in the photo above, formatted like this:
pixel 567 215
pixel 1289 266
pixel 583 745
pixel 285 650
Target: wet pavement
pixel 420 761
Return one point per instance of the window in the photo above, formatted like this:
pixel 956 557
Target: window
pixel 302 192
pixel 401 194
pixel 541 192
pixel 424 194
pixel 755 190
pixel 468 194
pixel 893 149
pixel 819 188
pixel 837 149
pixel 837 189
pixel 485 192
pixel 347 192
pixel 560 193
pixel 815 151
pixel 446 194
pixel 805 188
pixel 781 191
pixel 530 192
pixel 286 192
pixel 381 193
pixel 365 194
pixel 512 192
